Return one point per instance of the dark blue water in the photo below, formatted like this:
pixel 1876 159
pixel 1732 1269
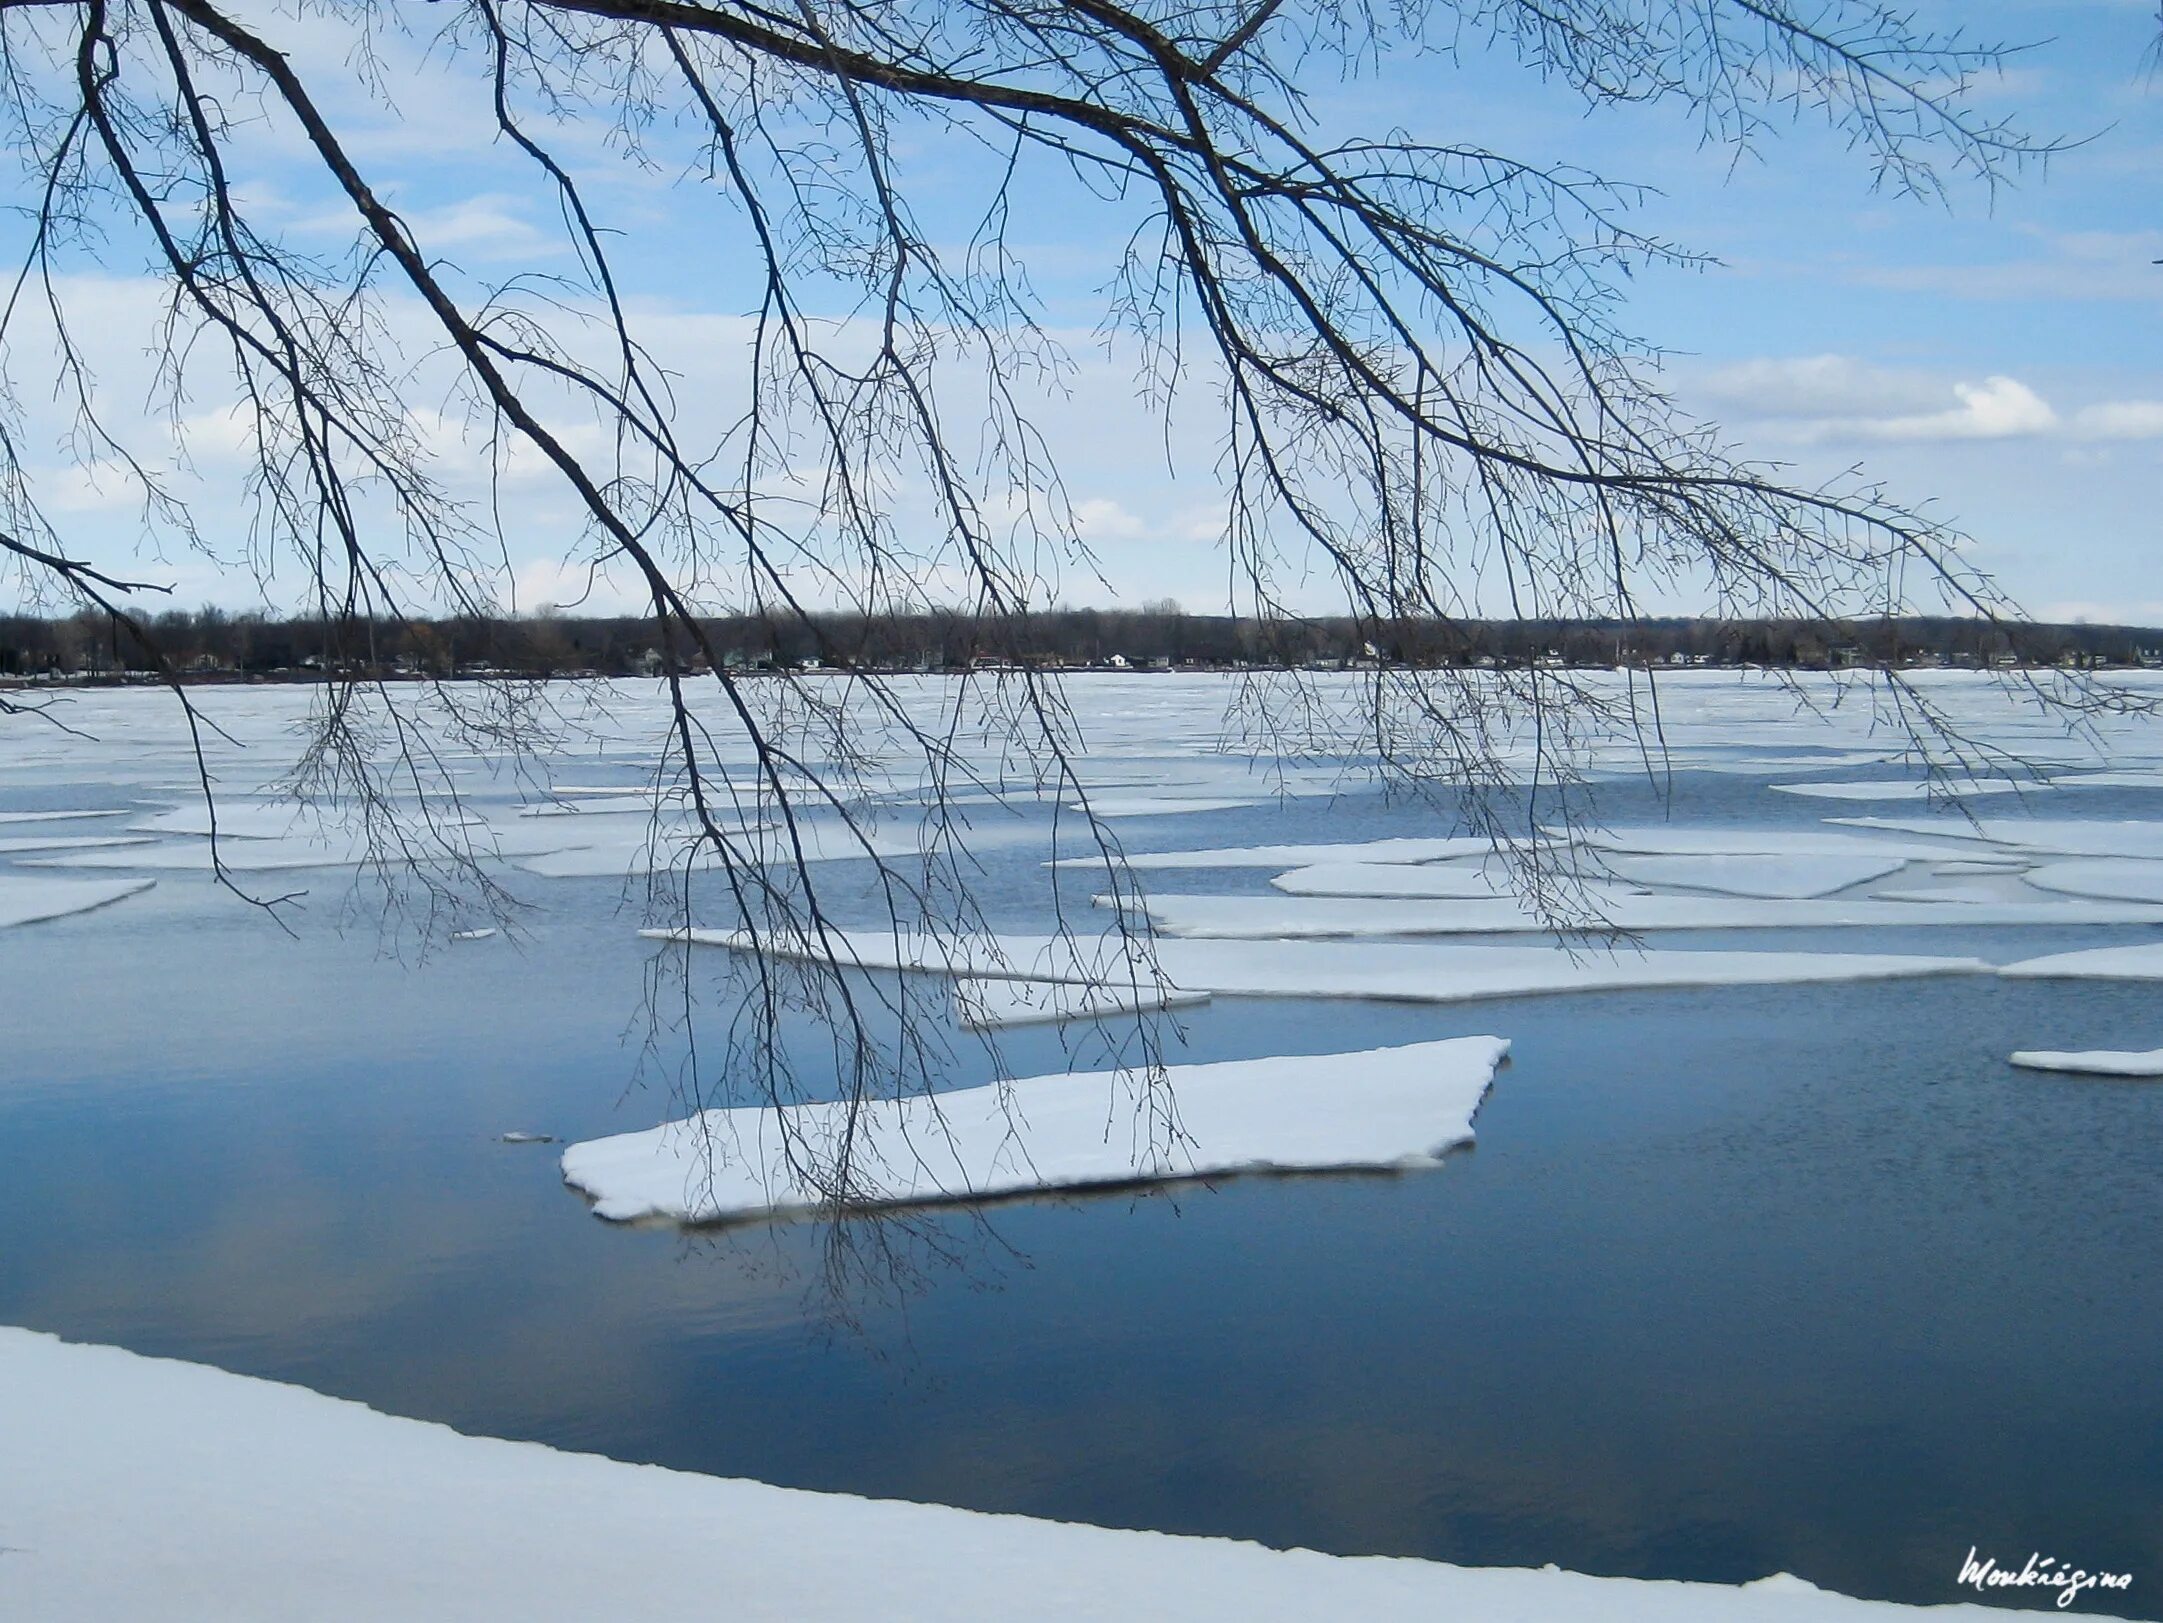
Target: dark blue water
pixel 1800 1279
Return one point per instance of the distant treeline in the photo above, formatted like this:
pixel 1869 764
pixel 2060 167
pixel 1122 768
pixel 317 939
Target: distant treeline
pixel 211 644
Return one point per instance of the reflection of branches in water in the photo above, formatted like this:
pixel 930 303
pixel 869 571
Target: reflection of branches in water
pixel 853 1267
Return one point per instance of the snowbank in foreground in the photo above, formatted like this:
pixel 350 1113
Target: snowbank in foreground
pixel 2093 1062
pixel 1387 1107
pixel 25 899
pixel 141 1487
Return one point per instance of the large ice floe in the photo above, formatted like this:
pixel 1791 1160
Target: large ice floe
pixel 1768 877
pixel 16 844
pixel 1386 1107
pixel 2140 963
pixel 2127 880
pixel 1661 840
pixel 56 816
pixel 2058 836
pixel 1256 918
pixel 32 898
pixel 239 1500
pixel 2092 1062
pixel 1415 849
pixel 1908 788
pixel 1397 971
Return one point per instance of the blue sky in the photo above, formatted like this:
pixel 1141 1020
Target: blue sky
pixel 1998 354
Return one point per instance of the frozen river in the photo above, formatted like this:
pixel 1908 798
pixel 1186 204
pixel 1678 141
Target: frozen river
pixel 1737 1279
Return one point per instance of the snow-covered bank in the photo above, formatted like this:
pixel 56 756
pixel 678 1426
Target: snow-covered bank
pixel 141 1488
pixel 1387 1107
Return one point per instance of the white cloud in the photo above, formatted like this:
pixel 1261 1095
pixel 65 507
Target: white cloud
pixel 1818 386
pixel 1997 408
pixel 2120 420
pixel 1102 519
pixel 1829 399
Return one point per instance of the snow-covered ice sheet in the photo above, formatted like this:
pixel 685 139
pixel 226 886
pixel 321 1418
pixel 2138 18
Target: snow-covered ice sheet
pixel 1909 789
pixel 1258 918
pixel 2127 880
pixel 1969 895
pixel 141 1488
pixel 1394 879
pixel 1414 972
pixel 1386 1107
pixel 1789 876
pixel 16 844
pixel 2092 1062
pixel 1766 877
pixel 1436 849
pixel 1154 805
pixel 2062 836
pixel 2141 963
pixel 980 1004
pixel 56 816
pixel 1663 841
pixel 31 898
pixel 243 819
pixel 640 848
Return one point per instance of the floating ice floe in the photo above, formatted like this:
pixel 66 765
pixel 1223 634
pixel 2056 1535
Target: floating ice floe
pixel 1961 895
pixel 63 842
pixel 2062 836
pixel 277 820
pixel 641 849
pixel 1909 789
pixel 1386 1107
pixel 2094 1062
pixel 56 816
pixel 1258 918
pixel 1767 877
pixel 2141 963
pixel 1396 971
pixel 30 899
pixel 981 1004
pixel 2129 880
pixel 1769 842
pixel 272 1503
pixel 1153 805
pixel 473 935
pixel 1299 856
pixel 1392 879
pixel 1790 876
pixel 2109 780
